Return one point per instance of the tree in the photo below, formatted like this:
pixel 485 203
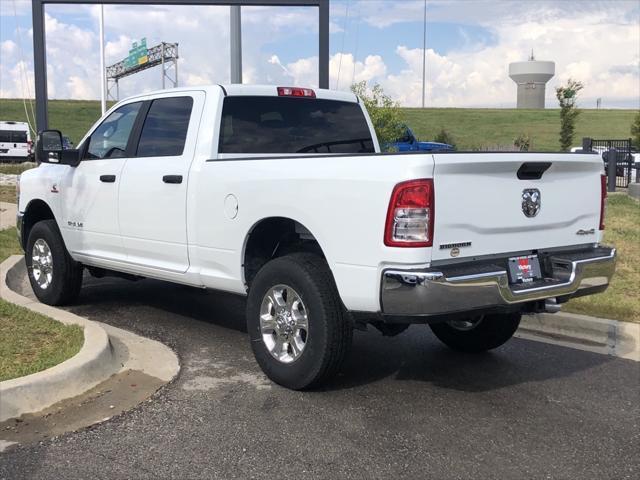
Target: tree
pixel 635 131
pixel 567 96
pixel 383 110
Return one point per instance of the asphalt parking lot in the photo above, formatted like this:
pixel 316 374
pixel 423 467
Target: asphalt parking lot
pixel 402 407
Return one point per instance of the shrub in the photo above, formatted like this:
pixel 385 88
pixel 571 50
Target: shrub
pixel 522 142
pixel 635 131
pixel 444 136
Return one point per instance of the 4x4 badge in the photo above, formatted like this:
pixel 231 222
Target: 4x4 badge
pixel 530 202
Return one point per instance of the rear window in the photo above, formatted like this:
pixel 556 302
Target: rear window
pixel 293 125
pixel 13 136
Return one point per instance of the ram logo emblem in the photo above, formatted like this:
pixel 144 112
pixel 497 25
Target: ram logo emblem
pixel 530 202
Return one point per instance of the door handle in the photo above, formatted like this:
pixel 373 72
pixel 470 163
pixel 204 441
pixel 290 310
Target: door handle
pixel 108 178
pixel 172 179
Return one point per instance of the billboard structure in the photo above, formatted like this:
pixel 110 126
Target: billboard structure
pixel 142 58
pixel 39 43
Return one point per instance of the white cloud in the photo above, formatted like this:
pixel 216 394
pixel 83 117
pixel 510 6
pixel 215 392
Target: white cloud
pixel 8 48
pixel 598 44
pixel 592 48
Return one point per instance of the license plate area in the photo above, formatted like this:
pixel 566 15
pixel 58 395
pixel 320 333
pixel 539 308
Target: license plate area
pixel 524 269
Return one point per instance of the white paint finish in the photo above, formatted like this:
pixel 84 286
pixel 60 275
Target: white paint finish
pixel 231 206
pixel 479 200
pixel 88 201
pixel 153 213
pixel 341 200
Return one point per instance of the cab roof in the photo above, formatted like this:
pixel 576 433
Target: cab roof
pixel 255 90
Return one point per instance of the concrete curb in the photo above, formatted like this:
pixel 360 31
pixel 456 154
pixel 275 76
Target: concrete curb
pixel 106 351
pixel 94 363
pixel 600 335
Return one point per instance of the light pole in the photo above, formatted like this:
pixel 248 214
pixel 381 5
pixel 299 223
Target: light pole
pixel 103 90
pixel 424 53
pixel 236 44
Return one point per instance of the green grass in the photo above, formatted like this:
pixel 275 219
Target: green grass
pixel 30 342
pixel 473 128
pixel 16 168
pixel 9 244
pixel 72 117
pixel 621 300
pixel 481 129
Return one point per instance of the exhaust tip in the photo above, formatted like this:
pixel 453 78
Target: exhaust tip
pixel 551 305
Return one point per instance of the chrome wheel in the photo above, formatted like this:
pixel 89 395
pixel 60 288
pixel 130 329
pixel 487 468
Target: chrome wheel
pixel 42 264
pixel 284 323
pixel 466 324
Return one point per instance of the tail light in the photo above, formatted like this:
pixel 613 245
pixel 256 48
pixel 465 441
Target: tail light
pixel 603 199
pixel 410 215
pixel 29 146
pixel 296 92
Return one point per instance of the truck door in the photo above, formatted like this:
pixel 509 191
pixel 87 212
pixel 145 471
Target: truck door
pixel 153 191
pixel 90 190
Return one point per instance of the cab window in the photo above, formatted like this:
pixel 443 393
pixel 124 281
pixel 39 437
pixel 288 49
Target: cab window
pixel 110 139
pixel 293 125
pixel 165 129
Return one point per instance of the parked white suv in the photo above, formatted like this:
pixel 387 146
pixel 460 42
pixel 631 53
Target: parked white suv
pixel 281 195
pixel 15 141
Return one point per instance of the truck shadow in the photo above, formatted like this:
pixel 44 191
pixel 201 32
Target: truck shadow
pixel 418 357
pixel 415 355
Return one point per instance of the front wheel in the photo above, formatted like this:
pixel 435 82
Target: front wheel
pixel 477 334
pixel 299 332
pixel 55 277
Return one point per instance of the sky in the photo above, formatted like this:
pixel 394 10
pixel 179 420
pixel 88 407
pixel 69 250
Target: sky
pixel 469 46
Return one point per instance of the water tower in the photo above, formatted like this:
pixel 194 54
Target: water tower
pixel 531 77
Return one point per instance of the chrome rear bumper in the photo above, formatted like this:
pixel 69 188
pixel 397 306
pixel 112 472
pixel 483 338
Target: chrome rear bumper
pixel 473 286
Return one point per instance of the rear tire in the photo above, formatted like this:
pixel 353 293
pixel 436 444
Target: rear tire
pixel 55 277
pixel 305 347
pixel 477 334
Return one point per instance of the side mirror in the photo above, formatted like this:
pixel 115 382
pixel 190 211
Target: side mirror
pixel 50 149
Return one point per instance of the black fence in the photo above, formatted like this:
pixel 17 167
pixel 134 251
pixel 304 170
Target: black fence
pixel 619 152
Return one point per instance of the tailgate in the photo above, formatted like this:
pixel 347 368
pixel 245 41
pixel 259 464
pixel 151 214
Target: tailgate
pixel 482 207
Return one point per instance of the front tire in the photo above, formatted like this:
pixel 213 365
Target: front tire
pixel 477 334
pixel 299 331
pixel 55 277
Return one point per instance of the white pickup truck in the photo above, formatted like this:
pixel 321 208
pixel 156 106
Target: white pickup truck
pixel 280 194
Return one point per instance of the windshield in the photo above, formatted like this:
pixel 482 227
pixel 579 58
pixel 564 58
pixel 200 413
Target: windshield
pixel 293 125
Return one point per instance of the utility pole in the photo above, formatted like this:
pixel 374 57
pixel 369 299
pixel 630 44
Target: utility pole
pixel 103 88
pixel 424 53
pixel 236 44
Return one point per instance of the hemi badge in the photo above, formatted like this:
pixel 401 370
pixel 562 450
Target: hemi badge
pixel 447 246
